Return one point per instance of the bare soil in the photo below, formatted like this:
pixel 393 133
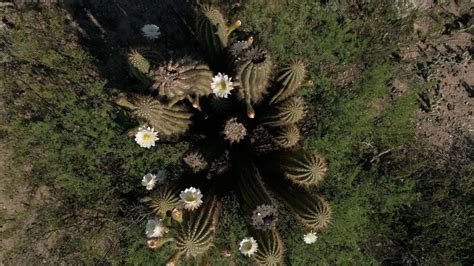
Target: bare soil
pixel 448 123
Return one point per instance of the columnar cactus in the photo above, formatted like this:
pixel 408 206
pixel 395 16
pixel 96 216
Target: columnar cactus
pixel 291 77
pixel 195 235
pixel 232 149
pixel 212 31
pixel 287 112
pixel 163 200
pixel 253 74
pixel 287 136
pixel 168 120
pixel 270 248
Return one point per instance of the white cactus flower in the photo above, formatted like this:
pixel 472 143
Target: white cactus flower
pixel 310 238
pixel 151 31
pixel 221 85
pixel 146 137
pixel 240 46
pixel 192 198
pixel 149 181
pixel 248 246
pixel 155 228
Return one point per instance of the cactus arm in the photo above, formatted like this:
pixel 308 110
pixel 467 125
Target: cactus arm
pixel 195 235
pixel 122 101
pixel 286 136
pixel 233 27
pixel 313 211
pixel 270 248
pixel 286 112
pixel 290 79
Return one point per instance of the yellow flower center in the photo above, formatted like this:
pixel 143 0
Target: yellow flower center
pixel 191 197
pixel 221 86
pixel 147 137
pixel 247 246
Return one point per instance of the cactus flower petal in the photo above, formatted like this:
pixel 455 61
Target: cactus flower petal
pixel 149 181
pixel 155 228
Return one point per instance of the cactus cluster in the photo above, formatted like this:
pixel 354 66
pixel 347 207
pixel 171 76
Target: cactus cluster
pixel 227 109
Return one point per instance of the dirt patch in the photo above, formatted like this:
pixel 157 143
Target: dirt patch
pixel 447 121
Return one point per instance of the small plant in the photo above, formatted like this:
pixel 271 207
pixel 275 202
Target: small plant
pixel 241 101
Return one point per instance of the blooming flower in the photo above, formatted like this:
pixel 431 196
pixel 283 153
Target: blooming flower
pixel 248 246
pixel 149 181
pixel 310 238
pixel 146 137
pixel 192 198
pixel 151 31
pixel 155 228
pixel 221 85
pixel 240 46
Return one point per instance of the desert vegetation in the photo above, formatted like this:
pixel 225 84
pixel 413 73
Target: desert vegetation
pixel 236 132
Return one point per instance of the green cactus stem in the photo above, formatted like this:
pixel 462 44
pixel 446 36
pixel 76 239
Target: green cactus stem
pixel 195 235
pixel 139 66
pixel 286 136
pixel 313 211
pixel 305 168
pixel 213 32
pixel 185 78
pixel 255 196
pixel 253 75
pixel 166 120
pixel 270 250
pixel 287 112
pixel 290 79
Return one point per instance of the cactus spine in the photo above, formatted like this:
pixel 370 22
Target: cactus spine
pixel 253 74
pixel 290 79
pixel 287 112
pixel 181 79
pixel 287 136
pixel 304 168
pixel 270 248
pixel 166 120
pixel 195 235
pixel 164 200
pixel 314 212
